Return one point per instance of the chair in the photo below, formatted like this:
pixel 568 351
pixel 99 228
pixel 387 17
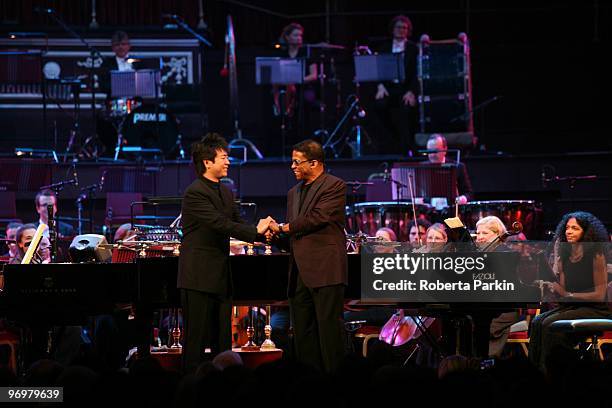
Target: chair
pixel 357 329
pixel 367 333
pixel 606 338
pixel 519 332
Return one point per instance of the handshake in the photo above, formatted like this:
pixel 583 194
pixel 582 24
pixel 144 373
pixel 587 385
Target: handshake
pixel 269 227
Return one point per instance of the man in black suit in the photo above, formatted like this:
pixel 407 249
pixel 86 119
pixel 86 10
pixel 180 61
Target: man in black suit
pixel 121 61
pixel 395 102
pixel 318 271
pixel 437 145
pixel 210 217
pixel 43 199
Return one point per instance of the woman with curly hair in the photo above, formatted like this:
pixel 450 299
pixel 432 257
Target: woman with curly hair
pixel 581 266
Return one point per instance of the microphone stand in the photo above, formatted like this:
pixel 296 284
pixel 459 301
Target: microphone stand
pixel 93 54
pixel 59 186
pixel 87 194
pixel 52 225
pixel 331 143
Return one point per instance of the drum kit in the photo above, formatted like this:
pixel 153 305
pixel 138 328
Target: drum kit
pixel 145 127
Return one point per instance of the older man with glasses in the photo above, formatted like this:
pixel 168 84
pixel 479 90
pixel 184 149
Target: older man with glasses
pixel 318 266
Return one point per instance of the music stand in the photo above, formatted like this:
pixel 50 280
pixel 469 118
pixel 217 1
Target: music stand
pixel 129 84
pixel 430 180
pixel 380 68
pixel 280 71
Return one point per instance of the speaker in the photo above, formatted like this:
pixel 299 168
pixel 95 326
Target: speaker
pixel 90 248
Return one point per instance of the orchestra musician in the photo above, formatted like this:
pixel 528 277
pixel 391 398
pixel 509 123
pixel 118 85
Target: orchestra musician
pixel 395 103
pixel 210 217
pixel 11 233
pixel 120 61
pixel 42 200
pixel 292 100
pixel 23 237
pixel 318 268
pixel 418 230
pixel 582 286
pixel 438 146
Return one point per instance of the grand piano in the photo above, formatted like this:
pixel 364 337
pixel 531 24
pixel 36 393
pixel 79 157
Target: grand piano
pixel 68 293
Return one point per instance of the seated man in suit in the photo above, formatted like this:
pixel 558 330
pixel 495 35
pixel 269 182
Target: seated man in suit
pixel 43 199
pixel 121 61
pixel 464 185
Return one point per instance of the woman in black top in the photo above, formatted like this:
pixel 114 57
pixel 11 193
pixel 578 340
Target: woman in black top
pixel 581 266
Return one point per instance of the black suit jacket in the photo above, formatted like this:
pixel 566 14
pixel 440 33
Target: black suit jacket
pixel 317 240
pixel 108 65
pixel 63 229
pixel 208 222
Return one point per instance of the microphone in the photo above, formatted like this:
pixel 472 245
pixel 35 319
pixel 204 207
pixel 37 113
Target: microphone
pixel 544 181
pixel 43 10
pixel 170 16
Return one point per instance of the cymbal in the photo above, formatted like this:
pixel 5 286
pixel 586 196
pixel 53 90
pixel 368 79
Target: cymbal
pixel 326 46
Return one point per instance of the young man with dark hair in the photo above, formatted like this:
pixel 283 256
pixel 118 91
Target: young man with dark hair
pixel 210 217
pixel 318 270
pixel 44 199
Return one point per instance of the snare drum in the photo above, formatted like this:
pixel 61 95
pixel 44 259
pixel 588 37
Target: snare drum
pixel 371 216
pixel 527 212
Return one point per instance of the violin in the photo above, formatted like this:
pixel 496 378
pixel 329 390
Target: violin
pixel 401 329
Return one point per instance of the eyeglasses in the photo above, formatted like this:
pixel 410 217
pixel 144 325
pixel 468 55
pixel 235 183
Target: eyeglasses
pixel 298 162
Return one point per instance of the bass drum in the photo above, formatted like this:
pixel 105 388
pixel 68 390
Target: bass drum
pixel 148 128
pixel 527 212
pixel 371 216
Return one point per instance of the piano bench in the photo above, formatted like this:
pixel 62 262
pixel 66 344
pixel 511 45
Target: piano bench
pixel 589 329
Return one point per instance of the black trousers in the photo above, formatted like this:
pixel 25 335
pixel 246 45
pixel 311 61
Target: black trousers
pixel 207 324
pixel 318 325
pixel 394 124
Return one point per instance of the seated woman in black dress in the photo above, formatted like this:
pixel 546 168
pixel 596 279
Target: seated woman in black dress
pixel 581 267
